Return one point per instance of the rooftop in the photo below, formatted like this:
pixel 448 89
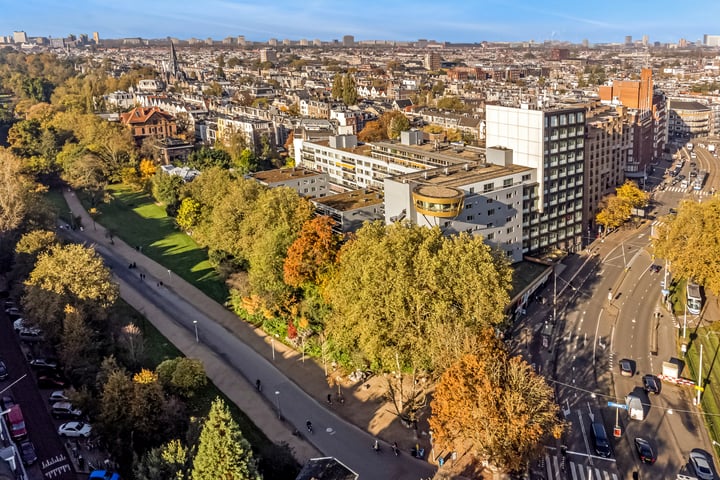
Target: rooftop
pixel 448 154
pixel 348 201
pixel 270 177
pixel 460 175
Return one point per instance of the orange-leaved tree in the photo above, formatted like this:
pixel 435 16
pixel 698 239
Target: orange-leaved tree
pixel 311 253
pixel 494 405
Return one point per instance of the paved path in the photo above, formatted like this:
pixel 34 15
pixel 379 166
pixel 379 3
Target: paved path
pixel 230 348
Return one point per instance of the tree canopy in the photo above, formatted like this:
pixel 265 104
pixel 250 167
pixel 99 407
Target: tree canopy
pixel 690 241
pixel 404 294
pixel 496 405
pixel 312 253
pixel 618 208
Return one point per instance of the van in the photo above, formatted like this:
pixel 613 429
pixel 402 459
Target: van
pixel 602 445
pixel 16 423
pixel 65 410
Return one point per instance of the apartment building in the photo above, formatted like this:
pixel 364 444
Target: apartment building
pixel 149 122
pixel 490 199
pixel 307 183
pixel 251 129
pixel 349 210
pixel 689 119
pixel 552 142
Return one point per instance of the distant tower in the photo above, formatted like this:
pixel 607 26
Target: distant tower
pixel 628 40
pixel 585 43
pixel 20 37
pixel 433 61
pixel 96 38
pixel 348 41
pixel 645 40
pixel 172 68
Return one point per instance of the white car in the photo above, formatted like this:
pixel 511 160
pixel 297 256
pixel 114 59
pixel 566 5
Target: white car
pixel 58 396
pixel 74 429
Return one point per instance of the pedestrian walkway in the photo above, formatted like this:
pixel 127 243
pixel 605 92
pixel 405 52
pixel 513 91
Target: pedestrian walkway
pixel 360 406
pixel 557 467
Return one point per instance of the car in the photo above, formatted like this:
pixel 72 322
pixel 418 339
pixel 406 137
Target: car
pixel 693 164
pixel 6 402
pixel 43 363
pixel 31 335
pixel 702 467
pixel 13 312
pixel 3 370
pixel 58 396
pixel 651 384
pixel 65 410
pixel 21 324
pixel 681 177
pixel 655 268
pixel 50 380
pixel 673 211
pixel 693 174
pixel 600 438
pixel 74 429
pixel 645 451
pixel 626 368
pixel 27 453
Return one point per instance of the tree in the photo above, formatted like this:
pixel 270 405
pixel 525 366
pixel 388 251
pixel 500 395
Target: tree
pixel 444 291
pixel 690 240
pixel 349 91
pixel 115 421
pixel 337 86
pixel 213 90
pixel 312 253
pixel 170 461
pixel 396 123
pixel 76 342
pixel 186 375
pixel 166 188
pixel 496 405
pixel 223 452
pixel 14 192
pixel 209 157
pixel 147 169
pixel 630 192
pixel 615 213
pixel 451 103
pixel 189 214
pixel 372 132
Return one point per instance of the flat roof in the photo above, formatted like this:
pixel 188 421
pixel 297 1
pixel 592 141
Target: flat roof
pixel 460 175
pixel 352 200
pixel 524 273
pixel 447 153
pixel 283 174
pixel 362 149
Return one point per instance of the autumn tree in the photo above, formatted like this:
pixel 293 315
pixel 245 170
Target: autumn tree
pixel 396 122
pixel 189 214
pixel 337 86
pixel 166 188
pixel 690 241
pixel 185 375
pixel 631 193
pixel 27 250
pixel 349 90
pixel 76 341
pixel 312 253
pixel 14 192
pixel 496 405
pixel 115 421
pixel 223 452
pixel 170 461
pixel 615 212
pixel 372 132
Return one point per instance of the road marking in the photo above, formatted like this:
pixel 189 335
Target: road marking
pixel 582 427
pixel 597 327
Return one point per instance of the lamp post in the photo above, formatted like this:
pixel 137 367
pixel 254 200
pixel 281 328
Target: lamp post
pixel 197 337
pixel 277 403
pixel 272 346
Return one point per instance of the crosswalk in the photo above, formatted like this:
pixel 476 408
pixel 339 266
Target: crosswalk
pixel 563 468
pixel 678 189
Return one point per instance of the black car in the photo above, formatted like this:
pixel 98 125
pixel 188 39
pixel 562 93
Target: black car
pixel 27 452
pixel 651 384
pixel 3 370
pixel 6 402
pixel 51 380
pixel 645 451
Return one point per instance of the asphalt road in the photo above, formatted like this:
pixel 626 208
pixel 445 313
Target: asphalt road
pixel 332 435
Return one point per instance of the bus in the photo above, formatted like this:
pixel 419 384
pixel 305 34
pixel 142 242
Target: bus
pixel 694 298
pixel 700 180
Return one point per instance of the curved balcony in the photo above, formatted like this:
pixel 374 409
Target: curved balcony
pixel 438 201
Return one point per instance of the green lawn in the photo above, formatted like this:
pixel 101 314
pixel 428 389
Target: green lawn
pixel 58 204
pixel 136 219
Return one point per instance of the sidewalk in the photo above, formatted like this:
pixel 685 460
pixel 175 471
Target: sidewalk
pixel 364 404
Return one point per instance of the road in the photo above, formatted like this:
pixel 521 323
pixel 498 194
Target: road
pixel 333 436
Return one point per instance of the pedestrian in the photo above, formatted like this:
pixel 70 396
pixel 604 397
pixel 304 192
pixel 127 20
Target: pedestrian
pixel 158 284
pixel 81 462
pixel 134 265
pixel 329 399
pixel 161 284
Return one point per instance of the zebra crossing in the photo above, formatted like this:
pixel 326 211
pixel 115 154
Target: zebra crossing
pixel 679 189
pixel 562 468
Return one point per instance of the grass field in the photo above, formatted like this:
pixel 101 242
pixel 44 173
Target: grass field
pixel 137 220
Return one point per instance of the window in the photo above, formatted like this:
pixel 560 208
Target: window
pixel 509 195
pixel 490 225
pixel 509 230
pixel 488 187
pixel 490 236
pixel 526 178
pixel 491 212
pixel 470 218
pixel 472 189
pixel 507 182
pixel 489 200
pixel 508 219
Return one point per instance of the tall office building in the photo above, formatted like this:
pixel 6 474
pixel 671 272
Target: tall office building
pixel 711 40
pixel 96 38
pixel 552 141
pixel 348 41
pixel 645 40
pixel 268 55
pixel 628 40
pixel 433 61
pixel 20 37
pixel 241 40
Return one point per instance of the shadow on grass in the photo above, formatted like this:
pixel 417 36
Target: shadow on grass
pixel 133 217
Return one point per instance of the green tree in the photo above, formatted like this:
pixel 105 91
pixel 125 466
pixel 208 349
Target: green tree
pixel 337 86
pixel 170 461
pixel 186 375
pixel 14 192
pixel 189 214
pixel 496 405
pixel 166 188
pixel 115 421
pixel 76 342
pixel 395 122
pixel 690 240
pixel 349 90
pixel 451 103
pixel 223 452
pixel 209 157
pixel 213 90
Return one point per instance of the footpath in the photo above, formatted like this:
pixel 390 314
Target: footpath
pixel 364 401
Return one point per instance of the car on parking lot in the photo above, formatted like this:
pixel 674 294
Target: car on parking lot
pixel 74 429
pixel 30 335
pixel 65 410
pixel 651 384
pixel 27 453
pixel 6 402
pixel 51 380
pixel 626 368
pixel 701 465
pixel 58 396
pixel 3 370
pixel 645 451
pixel 13 313
pixel 43 363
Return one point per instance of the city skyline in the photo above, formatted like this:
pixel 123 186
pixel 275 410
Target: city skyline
pixel 453 21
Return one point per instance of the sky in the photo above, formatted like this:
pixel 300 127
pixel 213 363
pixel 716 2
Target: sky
pixel 442 20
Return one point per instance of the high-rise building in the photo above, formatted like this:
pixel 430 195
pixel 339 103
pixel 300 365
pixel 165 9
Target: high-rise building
pixel 268 55
pixel 348 41
pixel 645 40
pixel 711 40
pixel 551 141
pixel 20 37
pixel 96 38
pixel 433 61
pixel 241 40
pixel 628 39
pixel 273 42
pixel 585 43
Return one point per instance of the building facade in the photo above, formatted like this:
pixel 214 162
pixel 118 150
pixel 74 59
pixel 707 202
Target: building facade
pixel 149 122
pixel 689 119
pixel 307 183
pixel 551 141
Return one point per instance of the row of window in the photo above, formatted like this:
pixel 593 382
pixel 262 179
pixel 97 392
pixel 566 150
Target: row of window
pixel 565 119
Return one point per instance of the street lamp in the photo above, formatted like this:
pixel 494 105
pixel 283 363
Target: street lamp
pixel 272 345
pixel 197 338
pixel 277 402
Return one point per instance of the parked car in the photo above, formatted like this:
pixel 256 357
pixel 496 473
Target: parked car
pixel 16 422
pixel 3 370
pixel 702 467
pixel 27 452
pixel 651 384
pixel 6 402
pixel 58 396
pixel 65 410
pixel 600 438
pixel 626 369
pixel 50 380
pixel 74 429
pixel 645 451
pixel 31 335
pixel 43 363
pixel 13 313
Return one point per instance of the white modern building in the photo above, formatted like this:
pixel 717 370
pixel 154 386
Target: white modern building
pixel 307 183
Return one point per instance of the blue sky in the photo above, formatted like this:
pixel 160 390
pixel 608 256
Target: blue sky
pixel 442 20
